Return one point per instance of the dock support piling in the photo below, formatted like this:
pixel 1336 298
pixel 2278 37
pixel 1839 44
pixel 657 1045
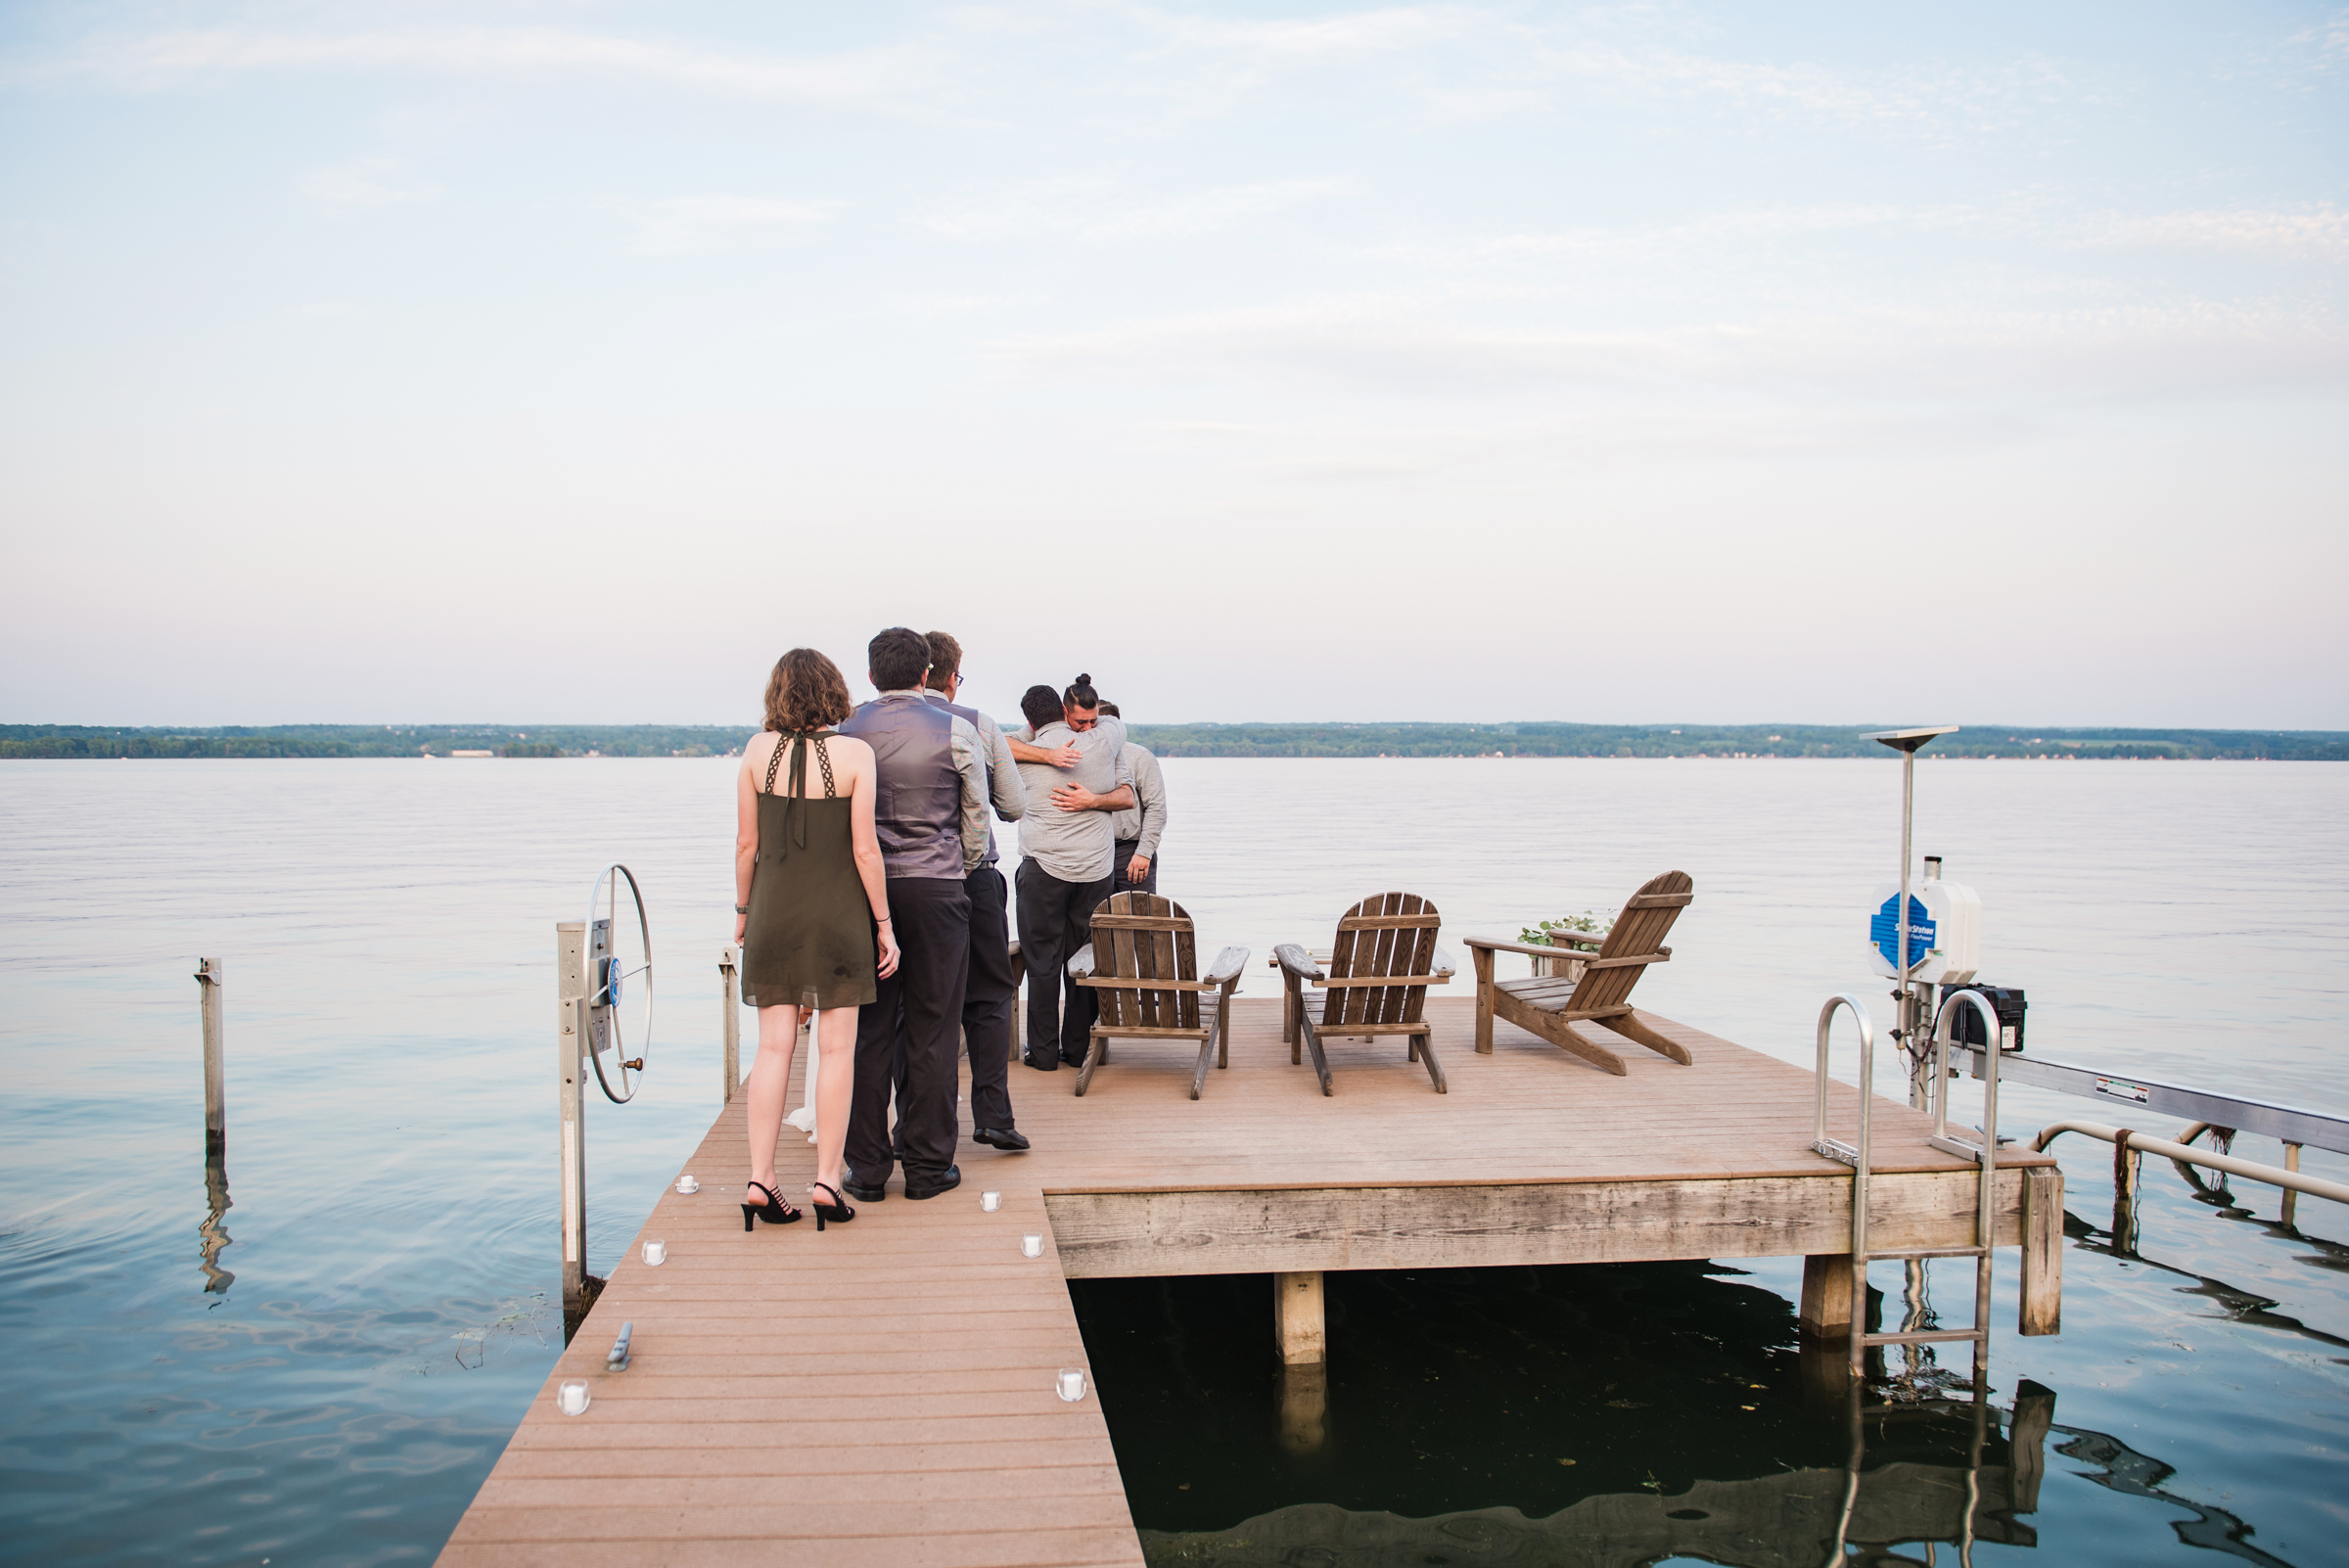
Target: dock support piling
pixel 1303 1407
pixel 729 984
pixel 215 1071
pixel 2042 1307
pixel 1297 1321
pixel 2127 1167
pixel 1826 1309
pixel 2291 1199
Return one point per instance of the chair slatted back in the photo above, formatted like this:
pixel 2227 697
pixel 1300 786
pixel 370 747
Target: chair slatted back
pixel 1386 933
pixel 1647 920
pixel 1142 936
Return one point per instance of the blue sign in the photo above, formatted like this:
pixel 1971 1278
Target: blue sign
pixel 1885 929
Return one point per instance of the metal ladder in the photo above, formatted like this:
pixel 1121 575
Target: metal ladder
pixel 1984 1154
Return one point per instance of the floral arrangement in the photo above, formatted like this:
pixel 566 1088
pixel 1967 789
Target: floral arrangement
pixel 1588 922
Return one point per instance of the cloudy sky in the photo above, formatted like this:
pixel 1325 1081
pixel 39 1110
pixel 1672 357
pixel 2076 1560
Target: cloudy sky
pixel 568 361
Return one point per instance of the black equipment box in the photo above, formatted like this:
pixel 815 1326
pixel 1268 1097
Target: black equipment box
pixel 2004 1000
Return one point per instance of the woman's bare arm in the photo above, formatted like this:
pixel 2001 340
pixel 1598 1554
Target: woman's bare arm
pixel 746 837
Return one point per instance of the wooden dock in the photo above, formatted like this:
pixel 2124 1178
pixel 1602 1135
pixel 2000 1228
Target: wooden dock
pixel 883 1392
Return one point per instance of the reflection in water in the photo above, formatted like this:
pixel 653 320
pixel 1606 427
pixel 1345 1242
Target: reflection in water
pixel 2137 1475
pixel 214 1234
pixel 2234 1304
pixel 1793 1519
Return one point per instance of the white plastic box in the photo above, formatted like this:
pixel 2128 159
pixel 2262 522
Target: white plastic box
pixel 1945 915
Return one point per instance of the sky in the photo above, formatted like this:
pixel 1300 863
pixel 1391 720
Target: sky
pixel 569 361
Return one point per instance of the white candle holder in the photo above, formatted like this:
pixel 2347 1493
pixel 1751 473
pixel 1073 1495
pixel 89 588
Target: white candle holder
pixel 990 1201
pixel 1069 1385
pixel 1032 1245
pixel 656 1253
pixel 572 1399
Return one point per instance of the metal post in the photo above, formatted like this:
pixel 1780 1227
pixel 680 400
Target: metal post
pixel 729 968
pixel 215 1075
pixel 571 1011
pixel 1904 1027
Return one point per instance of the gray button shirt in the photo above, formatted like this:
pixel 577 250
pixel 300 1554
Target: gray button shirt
pixel 1141 823
pixel 995 759
pixel 1073 846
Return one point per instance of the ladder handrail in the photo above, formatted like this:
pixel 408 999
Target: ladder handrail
pixel 1985 1236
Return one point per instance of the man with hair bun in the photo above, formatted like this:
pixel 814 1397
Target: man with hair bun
pixel 929 814
pixel 990 990
pixel 1071 770
pixel 1134 864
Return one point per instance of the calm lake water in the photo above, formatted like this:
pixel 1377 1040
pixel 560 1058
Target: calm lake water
pixel 328 1379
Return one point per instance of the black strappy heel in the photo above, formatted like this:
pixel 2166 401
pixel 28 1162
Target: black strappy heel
pixel 837 1211
pixel 775 1212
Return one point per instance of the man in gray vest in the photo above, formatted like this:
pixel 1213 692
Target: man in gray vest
pixel 990 988
pixel 929 814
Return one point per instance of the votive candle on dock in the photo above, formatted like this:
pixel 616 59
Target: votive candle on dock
pixel 572 1399
pixel 687 1183
pixel 990 1201
pixel 656 1253
pixel 1032 1245
pixel 1070 1385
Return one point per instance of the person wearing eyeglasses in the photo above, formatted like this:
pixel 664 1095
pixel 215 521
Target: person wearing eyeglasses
pixel 991 989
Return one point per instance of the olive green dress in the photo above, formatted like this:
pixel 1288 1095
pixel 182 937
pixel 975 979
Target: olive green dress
pixel 808 939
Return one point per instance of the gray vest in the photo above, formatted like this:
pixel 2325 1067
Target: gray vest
pixel 986 764
pixel 917 810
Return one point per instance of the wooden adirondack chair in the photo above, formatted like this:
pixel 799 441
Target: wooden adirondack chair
pixel 1549 1006
pixel 1377 976
pixel 1143 960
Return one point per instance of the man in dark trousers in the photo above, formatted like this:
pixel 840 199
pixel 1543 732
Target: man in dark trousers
pixel 991 989
pixel 929 814
pixel 1070 770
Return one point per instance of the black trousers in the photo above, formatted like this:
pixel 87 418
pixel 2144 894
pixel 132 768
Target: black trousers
pixel 1055 920
pixel 906 1036
pixel 986 1003
pixel 1118 882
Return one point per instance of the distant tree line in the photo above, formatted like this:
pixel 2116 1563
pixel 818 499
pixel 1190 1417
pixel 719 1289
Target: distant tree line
pixel 374 740
pixel 1725 740
pixel 1201 740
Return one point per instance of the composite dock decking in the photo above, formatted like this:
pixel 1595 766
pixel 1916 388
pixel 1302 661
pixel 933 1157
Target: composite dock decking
pixel 883 1392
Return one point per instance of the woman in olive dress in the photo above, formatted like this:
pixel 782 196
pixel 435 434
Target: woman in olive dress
pixel 811 913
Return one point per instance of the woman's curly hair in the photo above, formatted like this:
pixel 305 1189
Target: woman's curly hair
pixel 805 692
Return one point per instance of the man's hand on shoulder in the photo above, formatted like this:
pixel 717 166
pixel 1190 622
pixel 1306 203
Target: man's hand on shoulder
pixel 1063 756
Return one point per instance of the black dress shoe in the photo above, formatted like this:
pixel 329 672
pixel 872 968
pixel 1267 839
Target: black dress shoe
pixel 1000 1138
pixel 947 1181
pixel 862 1195
pixel 1042 1064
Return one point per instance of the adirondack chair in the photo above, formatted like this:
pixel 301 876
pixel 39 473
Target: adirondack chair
pixel 1550 1007
pixel 1143 960
pixel 1377 976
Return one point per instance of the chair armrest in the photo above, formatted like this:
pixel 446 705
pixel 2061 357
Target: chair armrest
pixel 1490 944
pixel 1443 966
pixel 1297 962
pixel 1228 964
pixel 1081 965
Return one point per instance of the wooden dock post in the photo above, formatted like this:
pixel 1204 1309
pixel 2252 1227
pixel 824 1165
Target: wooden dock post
pixel 570 1038
pixel 1297 1321
pixel 2126 1166
pixel 1303 1407
pixel 2041 1308
pixel 1826 1309
pixel 2291 1199
pixel 215 1072
pixel 729 971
